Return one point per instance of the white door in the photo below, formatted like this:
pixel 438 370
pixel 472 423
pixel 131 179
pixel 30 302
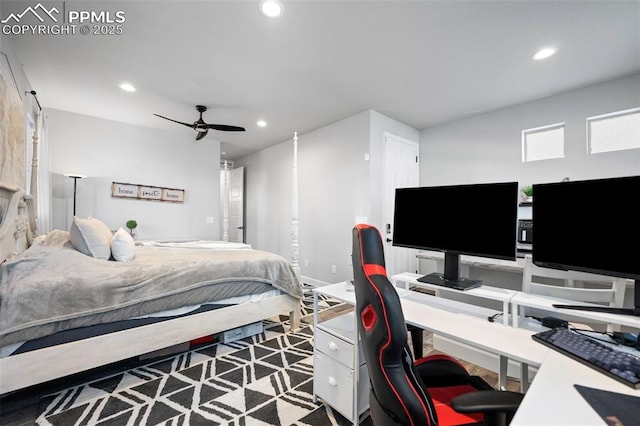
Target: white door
pixel 401 170
pixel 236 205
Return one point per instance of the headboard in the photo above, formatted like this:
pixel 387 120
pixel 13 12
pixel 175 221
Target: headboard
pixel 17 221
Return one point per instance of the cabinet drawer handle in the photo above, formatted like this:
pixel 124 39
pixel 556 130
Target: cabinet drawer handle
pixel 332 381
pixel 333 346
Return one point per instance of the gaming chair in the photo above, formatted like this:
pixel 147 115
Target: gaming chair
pixel 434 390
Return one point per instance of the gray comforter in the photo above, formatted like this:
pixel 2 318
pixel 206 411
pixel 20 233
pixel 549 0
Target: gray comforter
pixel 52 287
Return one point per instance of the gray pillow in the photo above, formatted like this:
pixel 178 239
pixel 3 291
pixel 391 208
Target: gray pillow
pixel 91 237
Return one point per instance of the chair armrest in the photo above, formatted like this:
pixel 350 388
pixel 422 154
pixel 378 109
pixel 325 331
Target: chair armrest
pixel 487 401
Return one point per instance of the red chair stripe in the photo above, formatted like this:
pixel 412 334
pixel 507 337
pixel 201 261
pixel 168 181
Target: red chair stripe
pixel 373 269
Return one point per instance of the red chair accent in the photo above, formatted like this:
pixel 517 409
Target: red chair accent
pixel 435 390
pixel 369 318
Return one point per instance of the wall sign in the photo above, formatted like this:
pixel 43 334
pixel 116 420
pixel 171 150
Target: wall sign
pixel 145 192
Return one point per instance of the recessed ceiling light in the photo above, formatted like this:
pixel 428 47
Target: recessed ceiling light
pixel 270 8
pixel 261 123
pixel 127 87
pixel 544 53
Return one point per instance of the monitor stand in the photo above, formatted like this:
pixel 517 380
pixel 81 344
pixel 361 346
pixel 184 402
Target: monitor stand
pixel 635 311
pixel 603 309
pixel 459 284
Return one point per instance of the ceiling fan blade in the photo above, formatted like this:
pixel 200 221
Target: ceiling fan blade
pixel 175 121
pixel 225 128
pixel 201 135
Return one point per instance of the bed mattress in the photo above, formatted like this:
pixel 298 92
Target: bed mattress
pixel 52 287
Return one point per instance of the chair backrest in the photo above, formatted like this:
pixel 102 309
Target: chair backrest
pixel 396 387
pixel 599 289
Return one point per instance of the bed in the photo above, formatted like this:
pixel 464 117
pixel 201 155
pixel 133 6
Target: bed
pixel 47 287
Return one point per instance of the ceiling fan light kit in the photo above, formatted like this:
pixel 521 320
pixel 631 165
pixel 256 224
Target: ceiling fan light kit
pixel 201 127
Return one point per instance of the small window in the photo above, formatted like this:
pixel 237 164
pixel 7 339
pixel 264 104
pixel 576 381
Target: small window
pixel 613 132
pixel 543 143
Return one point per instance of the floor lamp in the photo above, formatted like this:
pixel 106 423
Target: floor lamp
pixel 75 178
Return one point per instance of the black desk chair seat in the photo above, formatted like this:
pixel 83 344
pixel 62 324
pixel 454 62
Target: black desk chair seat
pixel 433 390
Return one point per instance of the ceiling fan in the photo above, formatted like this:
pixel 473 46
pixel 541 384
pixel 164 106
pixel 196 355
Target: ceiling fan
pixel 201 127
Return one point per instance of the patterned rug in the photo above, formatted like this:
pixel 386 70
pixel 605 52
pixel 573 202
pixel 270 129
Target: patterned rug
pixel 266 379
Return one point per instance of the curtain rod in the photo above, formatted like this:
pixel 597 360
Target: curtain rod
pixel 33 92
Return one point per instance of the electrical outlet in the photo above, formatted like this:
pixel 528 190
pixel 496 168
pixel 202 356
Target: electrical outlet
pixel 333 269
pixel 209 219
pixel 306 262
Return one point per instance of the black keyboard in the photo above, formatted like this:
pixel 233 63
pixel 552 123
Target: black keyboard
pixel 619 365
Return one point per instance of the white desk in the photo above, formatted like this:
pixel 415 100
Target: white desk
pixel 428 313
pixel 545 303
pixel 450 320
pixel 484 291
pixel 552 399
pixel 479 333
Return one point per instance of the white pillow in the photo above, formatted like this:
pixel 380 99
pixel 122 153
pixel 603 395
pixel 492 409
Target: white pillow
pixel 91 237
pixel 122 246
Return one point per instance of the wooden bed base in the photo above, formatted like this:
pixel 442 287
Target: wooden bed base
pixel 31 368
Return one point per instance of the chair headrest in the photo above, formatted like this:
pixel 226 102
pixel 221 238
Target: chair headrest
pixel 368 245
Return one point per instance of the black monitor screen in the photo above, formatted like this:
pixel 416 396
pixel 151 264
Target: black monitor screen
pixel 476 219
pixel 590 225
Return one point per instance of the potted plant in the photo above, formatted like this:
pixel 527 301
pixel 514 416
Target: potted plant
pixel 528 192
pixel 132 224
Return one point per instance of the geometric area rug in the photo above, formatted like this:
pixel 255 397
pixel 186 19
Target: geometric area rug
pixel 266 379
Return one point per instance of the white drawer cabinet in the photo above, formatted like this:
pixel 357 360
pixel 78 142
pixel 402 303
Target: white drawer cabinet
pixel 334 383
pixel 335 378
pixel 335 347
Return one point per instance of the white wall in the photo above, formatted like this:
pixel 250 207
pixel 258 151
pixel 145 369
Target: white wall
pixel 335 186
pixel 487 147
pixel 334 189
pixel 108 151
pixel 268 189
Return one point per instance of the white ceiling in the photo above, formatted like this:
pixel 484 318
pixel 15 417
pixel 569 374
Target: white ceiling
pixel 419 62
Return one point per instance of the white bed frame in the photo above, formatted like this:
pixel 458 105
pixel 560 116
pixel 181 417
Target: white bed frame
pixel 17 229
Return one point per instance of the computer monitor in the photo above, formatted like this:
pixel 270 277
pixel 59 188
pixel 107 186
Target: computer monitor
pixel 474 219
pixel 591 226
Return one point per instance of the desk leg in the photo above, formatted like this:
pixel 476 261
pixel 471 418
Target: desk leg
pixel 502 375
pixel 315 327
pixel 417 340
pixel 356 370
pixel 516 311
pixel 524 377
pixel 505 312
